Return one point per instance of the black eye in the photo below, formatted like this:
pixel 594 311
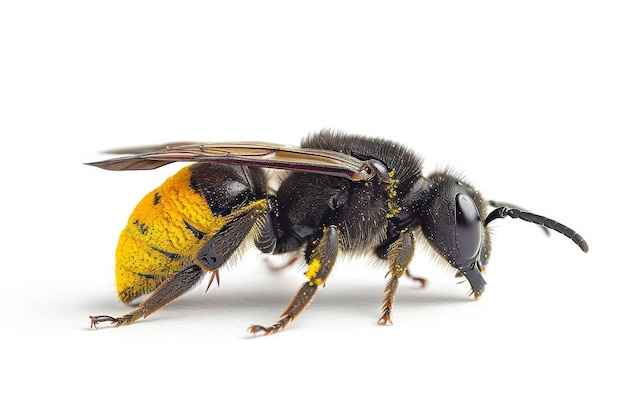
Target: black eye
pixel 468 232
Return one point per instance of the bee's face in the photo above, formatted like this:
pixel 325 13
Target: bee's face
pixel 451 219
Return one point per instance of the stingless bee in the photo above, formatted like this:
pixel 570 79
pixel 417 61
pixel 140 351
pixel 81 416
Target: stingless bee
pixel 342 194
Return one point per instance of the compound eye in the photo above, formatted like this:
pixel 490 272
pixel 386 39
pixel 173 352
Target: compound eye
pixel 468 228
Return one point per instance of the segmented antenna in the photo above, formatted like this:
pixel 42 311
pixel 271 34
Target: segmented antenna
pixel 502 212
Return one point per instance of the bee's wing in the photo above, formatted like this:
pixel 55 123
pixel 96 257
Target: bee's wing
pixel 265 155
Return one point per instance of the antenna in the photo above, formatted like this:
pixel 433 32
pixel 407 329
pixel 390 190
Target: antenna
pixel 502 212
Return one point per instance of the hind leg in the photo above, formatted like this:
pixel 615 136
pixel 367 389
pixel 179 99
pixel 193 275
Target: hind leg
pixel 168 291
pixel 211 257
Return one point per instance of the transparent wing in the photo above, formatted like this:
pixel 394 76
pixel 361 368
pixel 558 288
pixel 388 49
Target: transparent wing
pixel 265 155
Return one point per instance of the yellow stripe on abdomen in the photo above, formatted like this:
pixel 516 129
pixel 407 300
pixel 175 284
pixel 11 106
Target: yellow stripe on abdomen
pixel 163 234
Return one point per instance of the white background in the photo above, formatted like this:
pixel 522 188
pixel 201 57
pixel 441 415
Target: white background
pixel 525 98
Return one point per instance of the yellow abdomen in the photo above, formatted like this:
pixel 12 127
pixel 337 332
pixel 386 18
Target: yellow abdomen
pixel 164 233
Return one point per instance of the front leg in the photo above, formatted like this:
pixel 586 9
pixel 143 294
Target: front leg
pixel 323 253
pixel 399 255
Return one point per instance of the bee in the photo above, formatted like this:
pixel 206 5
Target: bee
pixel 341 194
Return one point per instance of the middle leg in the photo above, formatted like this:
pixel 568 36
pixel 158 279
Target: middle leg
pixel 323 255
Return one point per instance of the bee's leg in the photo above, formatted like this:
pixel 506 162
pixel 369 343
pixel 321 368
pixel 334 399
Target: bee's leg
pixel 286 264
pixel 322 255
pixel 168 291
pixel 266 240
pixel 209 259
pixel 422 281
pixel 399 255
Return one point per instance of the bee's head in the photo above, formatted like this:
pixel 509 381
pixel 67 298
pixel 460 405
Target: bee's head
pixel 453 219
pixel 450 215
